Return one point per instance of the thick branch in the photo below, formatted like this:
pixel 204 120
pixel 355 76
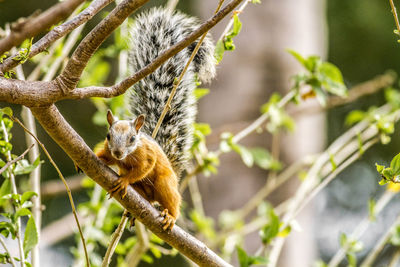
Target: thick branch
pixel 66 137
pixel 35 25
pixel 69 78
pixel 58 32
pixel 121 87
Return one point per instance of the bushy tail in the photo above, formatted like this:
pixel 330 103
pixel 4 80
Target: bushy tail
pixel 155 31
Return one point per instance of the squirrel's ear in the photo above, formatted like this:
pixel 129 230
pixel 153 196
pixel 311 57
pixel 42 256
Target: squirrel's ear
pixel 139 122
pixel 110 117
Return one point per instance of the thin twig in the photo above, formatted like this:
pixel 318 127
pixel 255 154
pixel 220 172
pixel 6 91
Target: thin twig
pixel 333 175
pixel 396 19
pixel 64 181
pixel 57 32
pixel 395 259
pixel 272 184
pixel 15 191
pixel 312 177
pixel 135 255
pixel 369 260
pixel 34 176
pixel 114 240
pixel 171 5
pixel 8 252
pixel 8 164
pixel 361 228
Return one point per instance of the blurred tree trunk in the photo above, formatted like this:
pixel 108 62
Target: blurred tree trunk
pixel 246 78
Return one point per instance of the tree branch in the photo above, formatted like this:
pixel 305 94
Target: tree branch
pixel 66 137
pixel 120 88
pixel 58 32
pixel 35 25
pixel 69 78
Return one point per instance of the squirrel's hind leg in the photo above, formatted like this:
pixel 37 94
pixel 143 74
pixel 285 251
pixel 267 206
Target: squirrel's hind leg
pixel 168 196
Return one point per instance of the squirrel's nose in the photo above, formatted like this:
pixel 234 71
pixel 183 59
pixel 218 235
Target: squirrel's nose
pixel 117 153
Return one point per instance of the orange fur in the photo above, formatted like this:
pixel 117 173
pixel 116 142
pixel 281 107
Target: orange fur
pixel 150 172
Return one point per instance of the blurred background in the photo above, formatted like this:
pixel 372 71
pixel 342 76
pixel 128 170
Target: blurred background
pixel 357 36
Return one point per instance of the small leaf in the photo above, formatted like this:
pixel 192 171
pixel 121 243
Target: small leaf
pixel 333 163
pixel 371 210
pixel 246 260
pixel 237 25
pixel 379 168
pixel 297 56
pixel 31 236
pixel 27 195
pixel 247 156
pixel 22 212
pixel 201 92
pixel 8 111
pixel 219 51
pixel 271 229
pixel 395 165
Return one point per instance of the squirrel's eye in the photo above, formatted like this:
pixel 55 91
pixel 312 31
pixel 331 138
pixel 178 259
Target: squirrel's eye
pixel 132 139
pixel 108 137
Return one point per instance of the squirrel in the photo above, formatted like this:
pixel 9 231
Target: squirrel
pixel 153 166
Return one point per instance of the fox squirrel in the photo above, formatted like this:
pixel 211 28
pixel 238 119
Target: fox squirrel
pixel 151 166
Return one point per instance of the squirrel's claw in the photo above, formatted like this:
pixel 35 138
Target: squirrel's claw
pixel 119 186
pixel 168 222
pixel 77 169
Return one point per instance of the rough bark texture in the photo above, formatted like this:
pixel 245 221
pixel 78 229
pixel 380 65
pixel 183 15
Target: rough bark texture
pixel 35 25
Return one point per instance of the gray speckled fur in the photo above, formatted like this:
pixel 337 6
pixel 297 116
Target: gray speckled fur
pixel 154 32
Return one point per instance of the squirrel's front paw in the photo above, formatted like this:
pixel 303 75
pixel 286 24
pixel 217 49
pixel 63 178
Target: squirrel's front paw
pixel 77 169
pixel 121 185
pixel 169 220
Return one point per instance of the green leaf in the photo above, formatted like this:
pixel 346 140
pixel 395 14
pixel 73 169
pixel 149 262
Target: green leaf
pixel 22 212
pixel 320 263
pixel 331 71
pixel 383 182
pixel 354 117
pixel 379 168
pixel 6 228
pixel 371 210
pixel 5 189
pixel 204 225
pixel 246 155
pixel 395 165
pixel 395 239
pixel 271 229
pixel 237 25
pixel 27 195
pixel 393 97
pixel 219 51
pixel 246 260
pixel 256 1
pixel 333 163
pixel 263 159
pixel 201 92
pixel 297 56
pixel 343 240
pixel 8 111
pixel 204 128
pixel 31 236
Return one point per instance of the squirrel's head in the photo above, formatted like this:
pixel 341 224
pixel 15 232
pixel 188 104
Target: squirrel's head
pixel 124 135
